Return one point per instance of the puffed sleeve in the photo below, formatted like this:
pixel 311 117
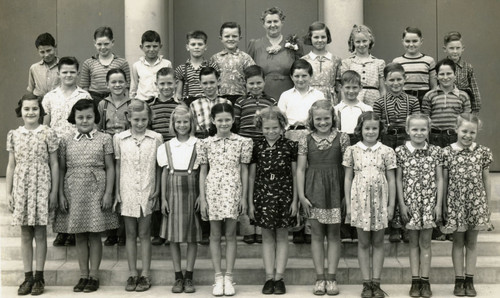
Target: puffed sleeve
pixel 302 145
pixel 294 149
pixel 487 157
pixel 10 141
pixel 161 156
pixel 159 140
pixel 246 150
pixel 348 160
pixel 344 142
pixel 52 140
pixel 116 145
pixel 108 144
pixel 201 152
pixel 399 156
pixel 389 158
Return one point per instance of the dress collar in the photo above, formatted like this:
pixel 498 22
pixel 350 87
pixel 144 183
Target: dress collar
pixel 25 130
pixel 79 136
pixel 455 147
pixel 231 137
pixel 314 56
pixel 372 148
pixel 329 139
pixel 412 149
pixel 190 142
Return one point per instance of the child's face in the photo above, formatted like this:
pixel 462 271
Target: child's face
pixel 454 50
pixel 209 85
pixel 182 124
pixel 151 49
pixel 271 129
pixel 48 54
pixel 68 75
pixel 446 77
pixel 273 24
pixel 196 47
pixel 255 85
pixel 223 122
pixel 370 131
pixel 418 130
pixel 166 85
pixel 30 112
pixel 466 133
pixel 319 39
pixel 351 91
pixel 395 82
pixel 412 43
pixel 361 43
pixel 322 120
pixel 117 84
pixel 139 121
pixel 230 38
pixel 301 79
pixel 84 120
pixel 103 46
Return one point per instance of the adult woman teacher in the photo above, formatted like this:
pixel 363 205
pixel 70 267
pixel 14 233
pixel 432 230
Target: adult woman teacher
pixel 275 54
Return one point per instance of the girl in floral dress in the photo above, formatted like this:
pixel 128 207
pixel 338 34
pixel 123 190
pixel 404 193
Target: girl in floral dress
pixel 370 193
pixel 223 190
pixel 319 180
pixel 467 187
pixel 31 187
pixel 272 195
pixel 419 183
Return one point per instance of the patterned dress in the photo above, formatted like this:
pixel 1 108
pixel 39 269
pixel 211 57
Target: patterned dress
pixel 84 184
pixel 326 74
pixel 467 203
pixel 324 174
pixel 223 189
pixel 32 178
pixel 419 183
pixel 371 72
pixel 370 190
pixel 273 191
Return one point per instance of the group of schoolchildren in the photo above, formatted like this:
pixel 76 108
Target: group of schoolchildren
pixel 204 143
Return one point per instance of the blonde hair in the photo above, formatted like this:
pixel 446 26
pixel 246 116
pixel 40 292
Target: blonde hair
pixel 179 110
pixel 418 116
pixel 137 105
pixel 322 104
pixel 468 117
pixel 270 113
pixel 365 30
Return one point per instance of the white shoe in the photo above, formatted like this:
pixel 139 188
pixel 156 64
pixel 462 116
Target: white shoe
pixel 228 286
pixel 332 288
pixel 319 287
pixel 218 289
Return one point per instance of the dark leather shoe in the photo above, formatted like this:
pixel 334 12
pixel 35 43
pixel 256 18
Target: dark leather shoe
pixel 157 241
pixel 111 240
pixel 249 239
pixel 469 289
pixel 26 287
pixel 38 287
pixel 459 289
pixel 279 287
pixel 70 240
pixel 425 290
pixel 80 285
pixel 268 287
pixel 415 288
pixel 92 285
pixel 258 238
pixel 60 239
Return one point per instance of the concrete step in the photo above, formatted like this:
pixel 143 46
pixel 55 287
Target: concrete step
pixel 250 271
pixel 488 245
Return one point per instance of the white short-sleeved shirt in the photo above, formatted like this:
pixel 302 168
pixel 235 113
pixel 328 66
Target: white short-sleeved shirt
pixel 296 106
pixel 348 115
pixel 144 77
pixel 181 153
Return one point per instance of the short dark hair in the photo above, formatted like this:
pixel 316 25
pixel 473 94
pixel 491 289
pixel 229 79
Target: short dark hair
pixel 301 64
pixel 370 115
pixel 393 67
pixel 68 60
pixel 103 32
pixel 223 107
pixel 197 34
pixel 414 30
pixel 252 71
pixel 150 36
pixel 446 61
pixel 45 39
pixel 208 70
pixel 26 97
pixel 81 105
pixel 165 71
pixel 115 71
pixel 315 27
pixel 230 25
pixel 351 76
pixel 452 36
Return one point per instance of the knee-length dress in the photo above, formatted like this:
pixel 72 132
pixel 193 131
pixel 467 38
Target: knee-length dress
pixel 223 189
pixel 370 190
pixel 419 183
pixel 182 223
pixel 273 188
pixel 467 203
pixel 31 183
pixel 324 174
pixel 84 184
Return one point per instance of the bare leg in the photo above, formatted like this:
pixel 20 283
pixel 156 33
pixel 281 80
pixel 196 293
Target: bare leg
pixel 364 243
pixel 414 252
pixel 82 247
pixel 175 250
pixel 27 234
pixel 457 254
pixel 95 253
pixel 192 250
pixel 131 243
pixel 471 252
pixel 145 237
pixel 318 245
pixel 281 251
pixel 215 247
pixel 425 252
pixel 378 252
pixel 333 247
pixel 230 244
pixel 269 251
pixel 41 246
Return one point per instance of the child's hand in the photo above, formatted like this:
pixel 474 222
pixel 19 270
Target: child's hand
pixel 197 204
pixel 203 208
pixel 11 202
pixel 53 200
pixel 242 207
pixel 117 201
pixel 347 214
pixel 293 209
pixel 306 204
pixel 405 213
pixel 390 212
pixel 63 203
pixel 107 202
pixel 251 211
pixel 164 207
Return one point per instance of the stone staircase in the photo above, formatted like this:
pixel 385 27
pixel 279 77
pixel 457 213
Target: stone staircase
pixel 61 267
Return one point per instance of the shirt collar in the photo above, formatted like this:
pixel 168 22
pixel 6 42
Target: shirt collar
pixel 329 139
pixel 158 60
pixel 225 52
pixel 364 147
pixel 190 142
pixel 79 136
pixel 262 95
pixel 314 56
pixel 460 62
pixel 108 99
pixel 231 137
pixel 54 65
pixel 412 149
pixel 96 56
pixel 455 90
pixel 308 90
pixel 455 147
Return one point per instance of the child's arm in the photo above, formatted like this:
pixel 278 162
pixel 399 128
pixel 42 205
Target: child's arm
pixel 475 92
pixel 294 207
pixel 9 179
pixel 244 187
pixel 438 210
pixel 156 194
pixel 445 194
pixel 54 173
pixel 349 175
pixel 134 82
pixel 164 204
pixel 403 209
pixel 392 192
pixel 107 199
pixel 203 200
pixel 301 177
pixel 63 202
pixel 251 184
pixel 118 198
